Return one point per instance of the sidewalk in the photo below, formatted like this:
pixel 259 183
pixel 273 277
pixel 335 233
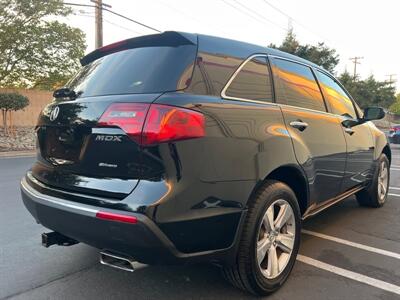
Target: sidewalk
pixel 26 153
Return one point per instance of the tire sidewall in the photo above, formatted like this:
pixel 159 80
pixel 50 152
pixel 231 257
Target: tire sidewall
pixel 270 285
pixel 382 158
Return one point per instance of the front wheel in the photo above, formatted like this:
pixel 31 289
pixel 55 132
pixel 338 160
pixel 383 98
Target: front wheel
pixel 376 193
pixel 269 241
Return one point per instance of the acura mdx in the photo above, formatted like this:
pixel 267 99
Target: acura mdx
pixel 181 148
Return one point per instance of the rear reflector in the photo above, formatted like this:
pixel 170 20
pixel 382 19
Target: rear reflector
pixel 116 217
pixel 151 124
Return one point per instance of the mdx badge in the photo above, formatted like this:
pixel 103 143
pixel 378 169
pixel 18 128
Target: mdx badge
pixel 54 113
pixel 108 138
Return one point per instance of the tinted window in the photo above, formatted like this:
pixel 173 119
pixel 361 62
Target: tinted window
pixel 252 82
pixel 138 70
pixel 297 86
pixel 339 101
pixel 211 73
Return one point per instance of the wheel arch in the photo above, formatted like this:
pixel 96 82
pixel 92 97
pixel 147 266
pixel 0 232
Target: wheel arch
pixel 386 150
pixel 293 176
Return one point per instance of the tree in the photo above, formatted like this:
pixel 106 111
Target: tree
pixel 320 54
pixel 11 102
pixel 369 92
pixel 395 107
pixel 35 49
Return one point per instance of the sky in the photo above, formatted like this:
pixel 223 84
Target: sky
pixel 367 29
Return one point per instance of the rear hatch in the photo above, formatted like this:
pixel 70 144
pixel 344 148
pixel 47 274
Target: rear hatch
pixel 76 151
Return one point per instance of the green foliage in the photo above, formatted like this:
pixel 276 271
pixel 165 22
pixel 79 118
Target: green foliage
pixel 395 107
pixel 369 92
pixel 320 54
pixel 36 50
pixel 13 101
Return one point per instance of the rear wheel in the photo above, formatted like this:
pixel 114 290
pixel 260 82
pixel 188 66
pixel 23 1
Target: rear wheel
pixel 376 193
pixel 269 242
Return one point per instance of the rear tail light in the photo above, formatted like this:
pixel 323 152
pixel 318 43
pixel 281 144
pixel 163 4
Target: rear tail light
pixel 129 117
pixel 150 124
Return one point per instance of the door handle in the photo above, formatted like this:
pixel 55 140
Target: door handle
pixel 349 131
pixel 299 124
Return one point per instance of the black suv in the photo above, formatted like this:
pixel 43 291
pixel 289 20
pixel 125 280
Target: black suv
pixel 176 148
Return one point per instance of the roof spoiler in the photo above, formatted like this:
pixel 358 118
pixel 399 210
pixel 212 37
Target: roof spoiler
pixel 166 39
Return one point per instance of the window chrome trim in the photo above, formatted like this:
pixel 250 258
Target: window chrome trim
pixel 223 92
pixel 224 96
pixel 313 72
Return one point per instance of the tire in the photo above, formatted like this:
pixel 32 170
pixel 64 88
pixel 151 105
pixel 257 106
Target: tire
pixel 263 279
pixel 373 196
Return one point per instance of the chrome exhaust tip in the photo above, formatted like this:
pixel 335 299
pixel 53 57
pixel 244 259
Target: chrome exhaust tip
pixel 116 261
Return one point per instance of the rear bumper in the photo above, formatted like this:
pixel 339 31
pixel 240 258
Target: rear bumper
pixel 143 241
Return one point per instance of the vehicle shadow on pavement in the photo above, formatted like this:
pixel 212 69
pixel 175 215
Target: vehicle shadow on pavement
pixel 147 282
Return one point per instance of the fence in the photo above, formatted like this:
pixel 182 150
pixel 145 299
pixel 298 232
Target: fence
pixel 37 101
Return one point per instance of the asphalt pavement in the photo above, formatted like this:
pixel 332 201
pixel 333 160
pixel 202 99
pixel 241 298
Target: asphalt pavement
pixel 347 252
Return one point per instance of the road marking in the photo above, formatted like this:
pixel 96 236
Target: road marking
pixel 353 244
pixel 350 274
pixel 394 188
pixel 395 195
pixel 396 166
pixel 394 169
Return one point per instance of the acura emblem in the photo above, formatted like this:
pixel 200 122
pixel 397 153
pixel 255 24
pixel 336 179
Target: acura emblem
pixel 54 113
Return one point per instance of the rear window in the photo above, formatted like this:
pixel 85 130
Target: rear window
pixel 137 70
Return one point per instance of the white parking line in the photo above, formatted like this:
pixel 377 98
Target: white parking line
pixel 349 274
pixel 394 188
pixel 352 244
pixel 395 195
pixel 394 169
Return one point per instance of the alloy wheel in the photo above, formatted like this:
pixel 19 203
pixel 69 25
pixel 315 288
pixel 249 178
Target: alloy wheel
pixel 276 236
pixel 382 181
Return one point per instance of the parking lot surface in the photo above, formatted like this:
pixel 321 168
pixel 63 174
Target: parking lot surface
pixel 347 252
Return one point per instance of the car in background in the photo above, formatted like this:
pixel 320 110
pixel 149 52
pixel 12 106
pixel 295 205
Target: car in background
pixel 394 134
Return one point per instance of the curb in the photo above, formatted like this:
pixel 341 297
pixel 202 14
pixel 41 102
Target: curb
pixel 11 154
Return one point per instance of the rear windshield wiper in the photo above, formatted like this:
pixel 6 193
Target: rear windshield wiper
pixel 65 93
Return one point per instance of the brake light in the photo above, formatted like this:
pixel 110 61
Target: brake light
pixel 127 116
pixel 150 124
pixel 116 217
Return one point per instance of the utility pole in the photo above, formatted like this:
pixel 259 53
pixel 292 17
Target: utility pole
pixel 290 24
pixel 99 22
pixel 391 78
pixel 356 62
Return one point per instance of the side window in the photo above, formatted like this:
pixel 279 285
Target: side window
pixel 339 101
pixel 253 81
pixel 211 73
pixel 296 85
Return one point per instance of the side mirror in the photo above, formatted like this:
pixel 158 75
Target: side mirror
pixel 373 113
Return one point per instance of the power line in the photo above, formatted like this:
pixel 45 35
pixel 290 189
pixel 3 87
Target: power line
pixel 259 15
pixel 291 19
pixel 251 16
pixel 89 15
pixel 115 13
